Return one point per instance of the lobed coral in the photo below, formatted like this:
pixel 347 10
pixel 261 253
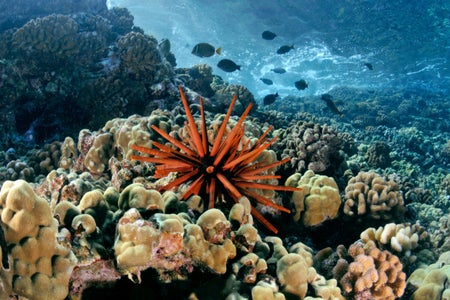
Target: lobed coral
pixel 140 57
pixel 310 146
pixel 317 201
pixel 40 267
pixel 54 35
pixel 373 274
pixel 402 239
pixel 430 282
pixel 371 196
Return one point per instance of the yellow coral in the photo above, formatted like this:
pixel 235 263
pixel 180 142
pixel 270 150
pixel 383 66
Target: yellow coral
pixel 40 267
pixel 294 274
pixel 318 201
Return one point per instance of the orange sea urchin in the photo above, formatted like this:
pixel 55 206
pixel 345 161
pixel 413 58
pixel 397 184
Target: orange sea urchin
pixel 224 167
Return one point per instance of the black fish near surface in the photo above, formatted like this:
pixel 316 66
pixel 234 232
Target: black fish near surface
pixel 205 50
pixel 301 84
pixel 266 81
pixel 278 70
pixel 268 35
pixel 369 66
pixel 285 49
pixel 269 99
pixel 330 104
pixel 228 65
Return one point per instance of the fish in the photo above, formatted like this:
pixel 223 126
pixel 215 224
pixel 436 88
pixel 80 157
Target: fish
pixel 330 104
pixel 369 66
pixel 269 99
pixel 266 81
pixel 228 65
pixel 285 49
pixel 301 84
pixel 268 35
pixel 205 50
pixel 278 70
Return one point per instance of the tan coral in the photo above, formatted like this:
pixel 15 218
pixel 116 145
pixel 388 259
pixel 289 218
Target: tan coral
pixel 295 274
pixel 318 201
pixel 371 195
pixel 40 267
pixel 249 267
pixel 431 281
pixel 260 292
pixel 98 155
pixel 398 238
pixel 134 240
pixel 136 196
pixel 69 153
pixel 326 289
pixel 373 273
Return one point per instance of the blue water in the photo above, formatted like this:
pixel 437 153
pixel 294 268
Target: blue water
pixel 407 42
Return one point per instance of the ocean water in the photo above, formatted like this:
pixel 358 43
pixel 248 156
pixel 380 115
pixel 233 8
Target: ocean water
pixel 406 42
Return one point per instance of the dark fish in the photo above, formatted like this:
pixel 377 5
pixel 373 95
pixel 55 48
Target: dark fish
pixel 330 104
pixel 269 99
pixel 278 70
pixel 301 84
pixel 369 66
pixel 228 65
pixel 268 35
pixel 205 50
pixel 285 49
pixel 266 81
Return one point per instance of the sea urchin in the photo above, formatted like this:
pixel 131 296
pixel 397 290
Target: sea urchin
pixel 225 167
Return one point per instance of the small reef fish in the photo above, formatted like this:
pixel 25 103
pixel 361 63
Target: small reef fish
pixel 285 49
pixel 330 104
pixel 228 65
pixel 268 35
pixel 278 70
pixel 301 84
pixel 266 81
pixel 269 99
pixel 369 66
pixel 205 50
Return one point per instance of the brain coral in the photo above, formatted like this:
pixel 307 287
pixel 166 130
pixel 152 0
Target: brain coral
pixel 370 195
pixel 40 267
pixel 318 201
